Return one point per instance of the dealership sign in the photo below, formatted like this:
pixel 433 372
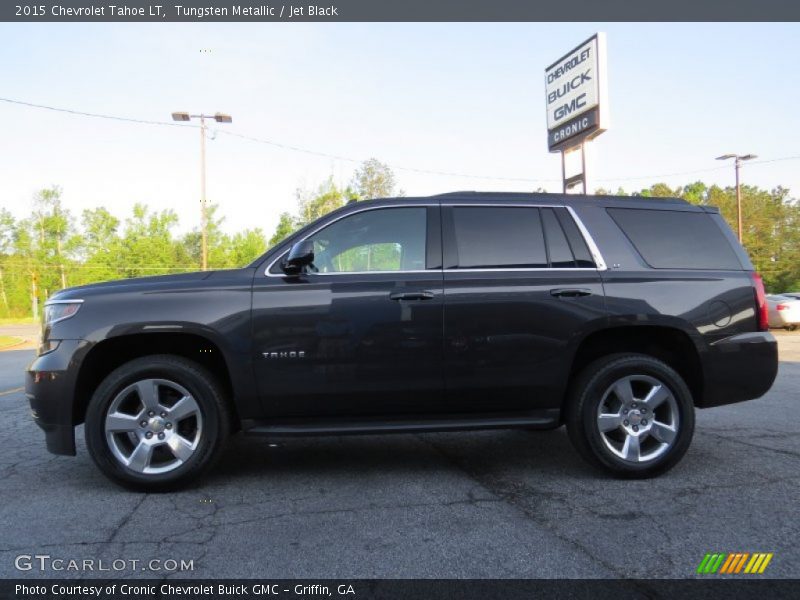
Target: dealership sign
pixel 576 95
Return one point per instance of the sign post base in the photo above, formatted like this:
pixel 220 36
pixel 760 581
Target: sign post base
pixel 575 183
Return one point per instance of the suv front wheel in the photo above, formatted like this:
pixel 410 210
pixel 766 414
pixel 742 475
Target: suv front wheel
pixel 156 422
pixel 630 414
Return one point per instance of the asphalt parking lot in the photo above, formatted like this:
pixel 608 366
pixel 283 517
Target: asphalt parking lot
pixel 502 504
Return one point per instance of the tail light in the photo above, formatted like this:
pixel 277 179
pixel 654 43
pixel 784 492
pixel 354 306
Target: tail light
pixel 761 302
pixel 782 306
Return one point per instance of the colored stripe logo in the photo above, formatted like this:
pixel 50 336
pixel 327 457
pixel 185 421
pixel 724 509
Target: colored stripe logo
pixel 734 563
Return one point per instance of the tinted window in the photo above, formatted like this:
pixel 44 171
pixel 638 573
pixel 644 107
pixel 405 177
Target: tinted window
pixel 557 244
pixel 583 258
pixel 676 240
pixel 386 239
pixel 499 237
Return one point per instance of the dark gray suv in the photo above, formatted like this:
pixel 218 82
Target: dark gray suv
pixel 615 316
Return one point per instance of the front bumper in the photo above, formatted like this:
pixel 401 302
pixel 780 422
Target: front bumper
pixel 738 368
pixel 50 388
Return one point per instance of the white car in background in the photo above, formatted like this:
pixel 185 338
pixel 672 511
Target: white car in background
pixel 784 311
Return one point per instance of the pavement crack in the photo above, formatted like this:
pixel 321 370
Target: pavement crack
pixel 752 445
pixel 126 519
pixel 511 494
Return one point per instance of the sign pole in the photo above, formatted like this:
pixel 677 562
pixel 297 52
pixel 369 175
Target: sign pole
pixel 584 166
pixel 579 178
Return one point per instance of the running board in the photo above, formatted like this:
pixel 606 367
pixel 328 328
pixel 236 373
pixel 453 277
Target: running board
pixel 308 426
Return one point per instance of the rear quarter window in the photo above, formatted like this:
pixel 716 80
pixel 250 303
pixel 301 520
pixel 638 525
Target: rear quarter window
pixel 669 239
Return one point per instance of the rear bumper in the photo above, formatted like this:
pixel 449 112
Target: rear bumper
pixel 738 368
pixel 50 388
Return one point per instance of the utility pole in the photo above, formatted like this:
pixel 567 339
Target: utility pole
pixel 219 118
pixel 203 206
pixel 739 159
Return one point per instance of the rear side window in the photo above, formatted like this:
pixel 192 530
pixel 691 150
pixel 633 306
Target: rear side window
pixel 557 244
pixel 565 244
pixel 508 237
pixel 583 257
pixel 676 239
pixel 489 237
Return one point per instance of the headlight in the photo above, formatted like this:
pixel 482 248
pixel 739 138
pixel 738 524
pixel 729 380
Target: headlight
pixel 58 310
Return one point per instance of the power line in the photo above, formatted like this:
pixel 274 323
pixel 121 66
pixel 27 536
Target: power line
pixel 395 167
pixel 94 115
pixel 273 143
pixel 310 152
pixel 609 179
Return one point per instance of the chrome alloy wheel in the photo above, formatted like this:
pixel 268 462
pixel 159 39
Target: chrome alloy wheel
pixel 153 426
pixel 638 418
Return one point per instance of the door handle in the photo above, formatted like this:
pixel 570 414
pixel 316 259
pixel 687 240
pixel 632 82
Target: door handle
pixel 419 295
pixel 570 292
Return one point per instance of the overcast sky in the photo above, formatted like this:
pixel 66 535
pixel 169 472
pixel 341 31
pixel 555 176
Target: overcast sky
pixel 458 98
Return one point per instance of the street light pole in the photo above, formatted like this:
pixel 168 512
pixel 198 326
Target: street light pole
pixel 738 159
pixel 219 118
pixel 737 164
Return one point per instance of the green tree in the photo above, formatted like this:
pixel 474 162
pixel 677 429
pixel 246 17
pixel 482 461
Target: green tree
pixel 313 205
pixel 373 179
pixel 7 228
pixel 244 247
pixel 99 245
pixel 659 190
pixel 147 246
pixel 286 227
pixel 41 248
pixel 696 193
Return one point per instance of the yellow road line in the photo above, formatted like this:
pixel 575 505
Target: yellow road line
pixel 14 391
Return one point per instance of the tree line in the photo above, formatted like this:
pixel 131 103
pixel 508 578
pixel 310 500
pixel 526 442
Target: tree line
pixel 52 248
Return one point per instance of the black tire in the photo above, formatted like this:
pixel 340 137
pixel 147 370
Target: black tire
pixel 582 418
pixel 210 438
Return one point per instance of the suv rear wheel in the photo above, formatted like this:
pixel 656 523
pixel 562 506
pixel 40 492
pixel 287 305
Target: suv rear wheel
pixel 631 415
pixel 156 422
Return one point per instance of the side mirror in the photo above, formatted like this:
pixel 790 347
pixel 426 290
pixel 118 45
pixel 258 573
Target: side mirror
pixel 300 256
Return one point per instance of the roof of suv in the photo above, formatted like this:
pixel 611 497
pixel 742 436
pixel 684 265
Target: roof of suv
pixel 561 199
pixel 542 198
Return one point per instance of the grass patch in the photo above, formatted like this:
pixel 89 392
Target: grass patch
pixel 9 340
pixel 18 321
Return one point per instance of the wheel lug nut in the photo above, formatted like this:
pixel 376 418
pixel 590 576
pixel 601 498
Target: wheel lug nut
pixel 143 423
pixel 161 436
pixel 151 414
pixel 644 421
pixel 148 435
pixel 633 405
pixel 168 425
pixel 636 428
pixel 625 412
pixel 163 414
pixel 625 422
